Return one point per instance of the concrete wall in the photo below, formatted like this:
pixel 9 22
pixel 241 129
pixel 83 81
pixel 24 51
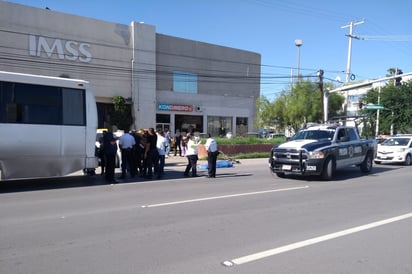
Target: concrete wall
pixel 129 61
pixel 144 75
pixel 228 79
pixel 108 44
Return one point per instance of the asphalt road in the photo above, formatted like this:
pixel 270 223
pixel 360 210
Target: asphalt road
pixel 244 221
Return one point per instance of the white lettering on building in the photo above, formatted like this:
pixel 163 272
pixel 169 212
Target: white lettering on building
pixel 69 50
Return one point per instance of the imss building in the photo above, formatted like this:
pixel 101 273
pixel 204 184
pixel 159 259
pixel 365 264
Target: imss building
pixel 170 82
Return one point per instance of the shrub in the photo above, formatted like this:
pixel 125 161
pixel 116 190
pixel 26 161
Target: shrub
pixel 248 140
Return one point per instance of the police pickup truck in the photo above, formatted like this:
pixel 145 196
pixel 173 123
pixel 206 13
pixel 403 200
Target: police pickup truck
pixel 321 150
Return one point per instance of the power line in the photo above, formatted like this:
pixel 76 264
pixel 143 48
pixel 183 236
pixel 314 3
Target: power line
pixel 388 38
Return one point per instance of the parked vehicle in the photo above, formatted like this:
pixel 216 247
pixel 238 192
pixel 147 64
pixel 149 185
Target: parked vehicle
pixel 321 150
pixel 396 149
pixel 275 135
pixel 47 126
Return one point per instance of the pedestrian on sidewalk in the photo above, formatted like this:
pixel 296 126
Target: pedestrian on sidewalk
pixel 191 155
pixel 178 143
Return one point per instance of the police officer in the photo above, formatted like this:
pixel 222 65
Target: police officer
pixel 212 153
pixel 127 143
pixel 110 151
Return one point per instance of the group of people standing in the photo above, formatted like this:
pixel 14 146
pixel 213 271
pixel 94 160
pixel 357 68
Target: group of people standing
pixel 143 153
pixel 192 156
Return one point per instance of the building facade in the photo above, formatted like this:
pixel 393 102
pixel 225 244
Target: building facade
pixel 169 82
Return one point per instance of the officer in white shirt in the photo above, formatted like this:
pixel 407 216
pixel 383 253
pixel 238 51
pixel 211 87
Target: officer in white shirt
pixel 161 144
pixel 212 153
pixel 127 144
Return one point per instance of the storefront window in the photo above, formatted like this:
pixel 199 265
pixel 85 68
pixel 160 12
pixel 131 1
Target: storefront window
pixel 162 122
pixel 219 125
pixel 241 126
pixel 189 123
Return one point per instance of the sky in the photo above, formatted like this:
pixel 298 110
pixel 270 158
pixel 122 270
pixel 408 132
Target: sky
pixel 383 31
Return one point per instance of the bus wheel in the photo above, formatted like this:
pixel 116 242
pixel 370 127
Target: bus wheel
pixel 89 171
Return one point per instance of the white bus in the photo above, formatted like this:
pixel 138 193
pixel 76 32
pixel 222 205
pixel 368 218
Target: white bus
pixel 47 126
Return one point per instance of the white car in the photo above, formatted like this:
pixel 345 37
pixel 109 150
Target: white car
pixel 396 149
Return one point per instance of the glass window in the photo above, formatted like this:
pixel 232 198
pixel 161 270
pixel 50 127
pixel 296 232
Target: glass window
pixel 189 123
pixel 73 107
pixel 163 118
pixel 184 82
pixel 241 126
pixel 40 104
pixel 352 134
pixel 219 125
pixel 32 104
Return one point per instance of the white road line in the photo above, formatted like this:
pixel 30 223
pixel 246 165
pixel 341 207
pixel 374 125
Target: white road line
pixel 223 197
pixel 285 248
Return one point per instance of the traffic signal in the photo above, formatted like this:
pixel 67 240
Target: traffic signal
pixel 398 79
pixel 360 103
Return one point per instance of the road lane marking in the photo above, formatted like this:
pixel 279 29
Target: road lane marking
pixel 285 248
pixel 173 180
pixel 223 197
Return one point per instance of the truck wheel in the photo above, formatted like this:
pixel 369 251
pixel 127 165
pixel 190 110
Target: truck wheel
pixel 407 160
pixel 328 169
pixel 366 165
pixel 280 174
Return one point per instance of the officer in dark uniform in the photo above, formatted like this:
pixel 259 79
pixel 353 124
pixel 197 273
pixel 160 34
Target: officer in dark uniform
pixel 110 151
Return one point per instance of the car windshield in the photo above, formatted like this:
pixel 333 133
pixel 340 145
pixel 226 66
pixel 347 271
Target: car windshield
pixel 314 135
pixel 396 142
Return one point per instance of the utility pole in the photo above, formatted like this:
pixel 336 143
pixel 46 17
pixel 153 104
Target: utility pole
pixel 351 36
pixel 320 74
pixel 348 73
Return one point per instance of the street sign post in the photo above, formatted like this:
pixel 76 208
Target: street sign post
pixel 374 106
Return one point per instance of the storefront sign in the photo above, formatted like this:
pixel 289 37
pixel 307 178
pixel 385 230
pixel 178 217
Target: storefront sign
pixel 68 50
pixel 175 107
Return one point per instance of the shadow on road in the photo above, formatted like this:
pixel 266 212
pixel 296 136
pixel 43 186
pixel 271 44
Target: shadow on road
pixel 349 173
pixel 75 181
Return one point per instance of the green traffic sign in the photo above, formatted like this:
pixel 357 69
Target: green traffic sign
pixel 374 106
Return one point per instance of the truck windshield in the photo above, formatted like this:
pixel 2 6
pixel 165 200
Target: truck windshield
pixel 314 135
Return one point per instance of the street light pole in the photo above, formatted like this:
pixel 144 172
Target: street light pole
pixel 298 43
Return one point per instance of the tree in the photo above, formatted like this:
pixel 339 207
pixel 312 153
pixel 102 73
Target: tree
pixel 264 112
pixel 303 104
pixel 335 104
pixel 396 100
pixel 121 117
pixel 299 105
